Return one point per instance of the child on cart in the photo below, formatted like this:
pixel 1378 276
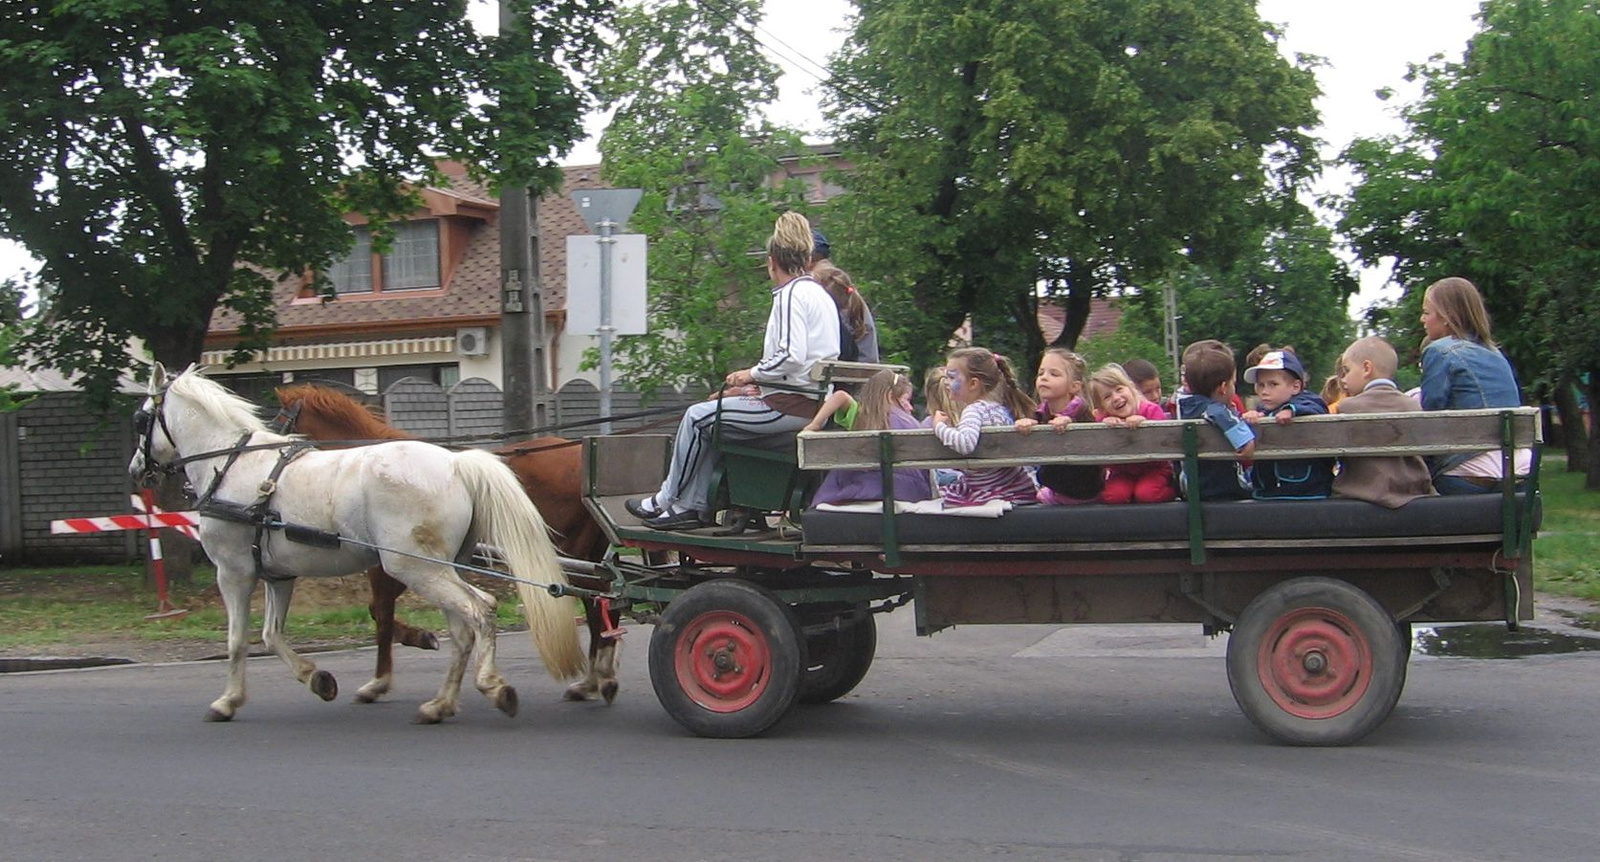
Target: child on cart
pixel 1208 371
pixel 1147 377
pixel 1280 383
pixel 885 403
pixel 984 388
pixel 1368 368
pixel 1117 402
pixel 1059 390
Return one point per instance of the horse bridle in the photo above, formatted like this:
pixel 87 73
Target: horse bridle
pixel 145 422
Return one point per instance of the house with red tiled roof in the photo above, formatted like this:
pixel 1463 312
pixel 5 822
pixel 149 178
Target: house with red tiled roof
pixel 1105 315
pixel 428 307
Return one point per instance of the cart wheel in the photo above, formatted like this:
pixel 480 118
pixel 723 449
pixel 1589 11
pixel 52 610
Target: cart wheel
pixel 836 661
pixel 1315 661
pixel 725 659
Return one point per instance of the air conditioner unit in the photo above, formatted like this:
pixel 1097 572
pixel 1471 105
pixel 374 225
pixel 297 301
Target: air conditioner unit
pixel 472 341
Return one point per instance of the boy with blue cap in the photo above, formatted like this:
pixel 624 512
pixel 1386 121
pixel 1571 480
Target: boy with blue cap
pixel 1280 382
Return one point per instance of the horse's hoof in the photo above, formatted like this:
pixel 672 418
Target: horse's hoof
pixel 578 691
pixel 505 700
pixel 323 685
pixel 428 715
pixel 214 714
pixel 428 640
pixel 364 696
pixel 608 690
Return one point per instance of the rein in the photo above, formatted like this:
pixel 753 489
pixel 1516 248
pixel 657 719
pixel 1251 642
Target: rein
pixel 285 421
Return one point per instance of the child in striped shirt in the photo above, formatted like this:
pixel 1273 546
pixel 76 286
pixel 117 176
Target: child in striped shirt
pixel 985 389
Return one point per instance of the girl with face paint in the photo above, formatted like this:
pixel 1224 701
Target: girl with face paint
pixel 984 388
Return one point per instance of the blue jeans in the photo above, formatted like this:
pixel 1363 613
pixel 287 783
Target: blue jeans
pixel 1448 485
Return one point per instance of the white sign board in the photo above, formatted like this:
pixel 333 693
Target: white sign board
pixel 629 301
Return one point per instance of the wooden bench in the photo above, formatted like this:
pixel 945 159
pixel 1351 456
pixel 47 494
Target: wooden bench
pixel 1188 442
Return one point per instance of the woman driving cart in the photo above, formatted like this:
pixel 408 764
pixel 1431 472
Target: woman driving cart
pixel 802 330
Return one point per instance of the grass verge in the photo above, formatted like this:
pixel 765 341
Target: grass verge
pixel 42 607
pixel 1566 553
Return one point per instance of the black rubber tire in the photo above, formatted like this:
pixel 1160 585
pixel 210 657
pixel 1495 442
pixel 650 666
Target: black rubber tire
pixel 1360 666
pixel 735 621
pixel 837 661
pixel 1407 641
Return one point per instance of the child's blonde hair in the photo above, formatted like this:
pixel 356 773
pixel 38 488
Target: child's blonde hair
pixel 879 397
pixel 1080 369
pixel 935 392
pixel 1331 390
pixel 999 380
pixel 1109 377
pixel 1459 303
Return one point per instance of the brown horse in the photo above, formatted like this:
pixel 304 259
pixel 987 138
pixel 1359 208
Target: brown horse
pixel 551 472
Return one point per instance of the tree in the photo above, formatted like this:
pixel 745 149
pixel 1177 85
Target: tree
pixel 688 81
pixel 1009 149
pixel 11 309
pixel 163 158
pixel 1495 180
pixel 1292 290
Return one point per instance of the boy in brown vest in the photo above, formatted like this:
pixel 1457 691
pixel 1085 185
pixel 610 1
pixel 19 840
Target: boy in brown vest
pixel 1367 377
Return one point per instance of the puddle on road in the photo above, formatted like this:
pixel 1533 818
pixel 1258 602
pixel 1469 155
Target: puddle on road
pixel 1492 640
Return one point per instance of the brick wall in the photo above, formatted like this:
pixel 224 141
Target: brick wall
pixel 65 461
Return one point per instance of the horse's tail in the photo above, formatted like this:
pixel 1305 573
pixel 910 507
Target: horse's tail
pixel 502 515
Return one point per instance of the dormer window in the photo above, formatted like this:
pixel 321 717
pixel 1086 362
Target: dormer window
pixel 412 262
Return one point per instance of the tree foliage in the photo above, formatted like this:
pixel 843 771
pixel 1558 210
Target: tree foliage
pixel 1291 289
pixel 11 309
pixel 162 157
pixel 687 81
pixel 1007 144
pixel 1124 344
pixel 1495 179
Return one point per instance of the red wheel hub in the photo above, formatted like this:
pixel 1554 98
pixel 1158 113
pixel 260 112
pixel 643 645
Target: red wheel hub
pixel 723 661
pixel 1314 663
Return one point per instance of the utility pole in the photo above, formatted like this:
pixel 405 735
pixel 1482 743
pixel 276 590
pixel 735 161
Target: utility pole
pixel 523 366
pixel 1169 298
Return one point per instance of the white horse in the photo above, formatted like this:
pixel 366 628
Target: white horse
pixel 417 504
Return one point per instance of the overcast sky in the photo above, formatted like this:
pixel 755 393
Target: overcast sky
pixel 1366 44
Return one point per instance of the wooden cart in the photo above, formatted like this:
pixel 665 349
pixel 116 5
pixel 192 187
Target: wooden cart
pixel 1319 596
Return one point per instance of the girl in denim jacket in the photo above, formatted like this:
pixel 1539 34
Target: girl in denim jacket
pixel 1462 368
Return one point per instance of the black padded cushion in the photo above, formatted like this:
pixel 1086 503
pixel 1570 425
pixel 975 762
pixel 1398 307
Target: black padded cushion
pixel 1470 514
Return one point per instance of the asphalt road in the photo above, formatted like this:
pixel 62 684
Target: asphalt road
pixel 1015 743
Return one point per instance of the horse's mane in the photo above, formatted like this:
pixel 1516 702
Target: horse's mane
pixel 335 407
pixel 220 406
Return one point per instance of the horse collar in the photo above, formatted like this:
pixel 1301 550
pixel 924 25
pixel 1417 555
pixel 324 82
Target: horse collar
pixel 256 514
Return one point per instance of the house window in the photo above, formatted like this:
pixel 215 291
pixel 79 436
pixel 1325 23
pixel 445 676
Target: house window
pixel 413 259
pixel 412 262
pixel 354 273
